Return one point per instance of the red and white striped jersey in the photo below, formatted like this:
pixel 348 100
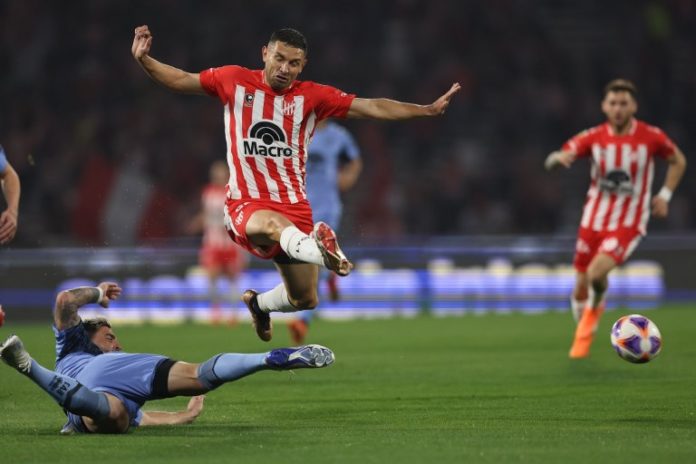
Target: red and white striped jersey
pixel 622 174
pixel 214 232
pixel 267 132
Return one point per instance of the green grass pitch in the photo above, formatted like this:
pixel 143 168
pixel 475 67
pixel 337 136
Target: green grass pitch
pixel 492 388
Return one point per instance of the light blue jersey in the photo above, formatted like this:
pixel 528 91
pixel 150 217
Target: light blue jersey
pixel 3 160
pixel 127 376
pixel 73 350
pixel 330 145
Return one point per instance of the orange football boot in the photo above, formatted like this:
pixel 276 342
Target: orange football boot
pixel 585 331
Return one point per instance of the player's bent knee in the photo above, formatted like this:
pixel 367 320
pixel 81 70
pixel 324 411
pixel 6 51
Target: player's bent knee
pixel 118 420
pixel 274 224
pixel 309 302
pixel 598 282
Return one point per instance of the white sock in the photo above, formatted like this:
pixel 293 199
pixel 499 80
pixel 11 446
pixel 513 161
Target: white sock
pixel 577 307
pixel 275 300
pixel 300 246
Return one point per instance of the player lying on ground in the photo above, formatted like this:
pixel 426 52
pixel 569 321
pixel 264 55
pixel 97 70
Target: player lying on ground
pixel 102 389
pixel 617 208
pixel 270 117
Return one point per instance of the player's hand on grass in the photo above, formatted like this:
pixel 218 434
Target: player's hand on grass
pixel 142 41
pixel 439 106
pixel 559 158
pixel 195 406
pixel 111 292
pixel 8 226
pixel 660 207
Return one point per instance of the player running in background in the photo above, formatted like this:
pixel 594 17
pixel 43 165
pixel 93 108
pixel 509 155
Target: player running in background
pixel 618 204
pixel 270 117
pixel 218 255
pixel 11 190
pixel 333 167
pixel 102 389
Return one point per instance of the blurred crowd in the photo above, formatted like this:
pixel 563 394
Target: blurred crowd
pixel 93 139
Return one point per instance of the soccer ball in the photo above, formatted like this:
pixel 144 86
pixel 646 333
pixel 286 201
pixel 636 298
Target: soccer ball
pixel 636 338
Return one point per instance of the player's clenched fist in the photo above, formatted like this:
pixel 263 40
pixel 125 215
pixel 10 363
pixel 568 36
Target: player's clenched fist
pixel 141 42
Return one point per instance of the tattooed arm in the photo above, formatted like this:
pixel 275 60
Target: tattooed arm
pixel 69 301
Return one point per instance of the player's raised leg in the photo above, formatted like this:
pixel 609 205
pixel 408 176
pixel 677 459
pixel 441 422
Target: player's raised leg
pixel 269 228
pixel 189 379
pixel 597 276
pixel 297 291
pixel 327 242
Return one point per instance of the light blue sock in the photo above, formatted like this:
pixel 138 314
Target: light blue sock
pixel 307 316
pixel 69 393
pixel 228 367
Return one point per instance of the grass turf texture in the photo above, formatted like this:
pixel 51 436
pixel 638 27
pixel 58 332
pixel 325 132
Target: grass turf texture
pixel 493 388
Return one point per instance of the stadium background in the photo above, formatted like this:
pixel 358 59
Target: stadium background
pixel 453 215
pixel 111 162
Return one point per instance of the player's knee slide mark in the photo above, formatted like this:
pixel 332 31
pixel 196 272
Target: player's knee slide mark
pixel 206 373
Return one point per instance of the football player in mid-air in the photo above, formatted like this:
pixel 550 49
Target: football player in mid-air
pixel 102 388
pixel 619 201
pixel 270 117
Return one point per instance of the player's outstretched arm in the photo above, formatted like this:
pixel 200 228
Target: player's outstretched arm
pixel 383 108
pixel 8 218
pixel 173 78
pixel 559 158
pixel 675 171
pixel 68 302
pixel 190 414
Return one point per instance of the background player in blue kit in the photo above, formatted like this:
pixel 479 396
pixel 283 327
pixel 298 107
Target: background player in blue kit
pixel 9 181
pixel 333 167
pixel 102 389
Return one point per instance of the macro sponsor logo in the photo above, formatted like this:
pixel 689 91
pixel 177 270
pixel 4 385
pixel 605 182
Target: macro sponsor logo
pixel 617 181
pixel 266 139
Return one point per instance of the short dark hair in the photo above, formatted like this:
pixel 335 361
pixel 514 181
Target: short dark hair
pixel 94 324
pixel 621 85
pixel 292 37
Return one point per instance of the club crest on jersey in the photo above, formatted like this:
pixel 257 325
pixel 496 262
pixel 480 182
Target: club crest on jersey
pixel 248 99
pixel 288 108
pixel 266 138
